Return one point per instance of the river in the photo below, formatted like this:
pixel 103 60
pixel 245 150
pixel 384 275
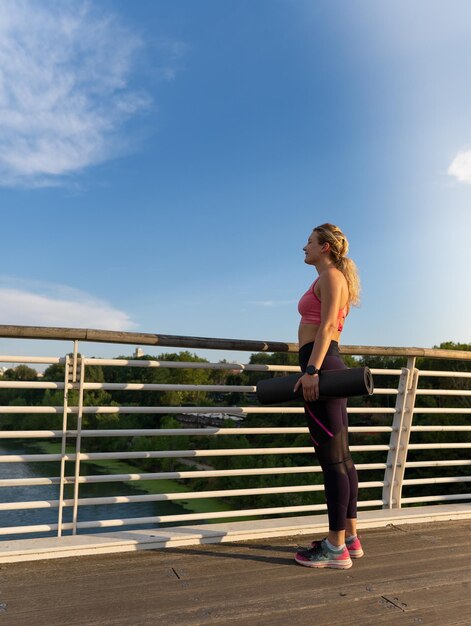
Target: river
pixel 30 517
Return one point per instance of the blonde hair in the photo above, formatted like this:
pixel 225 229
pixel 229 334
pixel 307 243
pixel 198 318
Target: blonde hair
pixel 331 234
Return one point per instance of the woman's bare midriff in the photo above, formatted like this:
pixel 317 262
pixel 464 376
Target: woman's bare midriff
pixel 308 332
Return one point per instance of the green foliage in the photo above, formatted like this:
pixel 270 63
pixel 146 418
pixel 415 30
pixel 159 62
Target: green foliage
pixel 21 372
pixel 161 376
pixel 18 397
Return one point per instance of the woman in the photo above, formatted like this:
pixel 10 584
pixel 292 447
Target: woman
pixel 323 309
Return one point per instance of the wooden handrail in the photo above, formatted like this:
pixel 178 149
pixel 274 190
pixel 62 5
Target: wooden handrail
pixel 212 343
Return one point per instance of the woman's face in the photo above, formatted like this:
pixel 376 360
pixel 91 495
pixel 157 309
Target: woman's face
pixel 312 250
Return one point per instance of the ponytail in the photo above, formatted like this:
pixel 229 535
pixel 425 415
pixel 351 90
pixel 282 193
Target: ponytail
pixel 328 233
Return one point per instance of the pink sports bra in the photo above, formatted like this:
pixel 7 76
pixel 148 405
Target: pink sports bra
pixel 309 308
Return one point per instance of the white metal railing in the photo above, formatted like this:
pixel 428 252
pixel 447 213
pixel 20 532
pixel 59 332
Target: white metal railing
pixel 393 466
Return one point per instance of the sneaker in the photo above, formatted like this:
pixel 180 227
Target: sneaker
pixel 353 546
pixel 320 555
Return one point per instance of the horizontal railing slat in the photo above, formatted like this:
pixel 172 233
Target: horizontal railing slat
pixel 164 497
pixel 200 432
pixel 170 454
pixel 108 523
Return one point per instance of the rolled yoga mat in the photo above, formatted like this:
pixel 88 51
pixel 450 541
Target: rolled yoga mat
pixel 344 383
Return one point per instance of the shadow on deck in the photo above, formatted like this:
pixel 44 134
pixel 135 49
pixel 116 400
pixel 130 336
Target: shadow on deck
pixel 410 574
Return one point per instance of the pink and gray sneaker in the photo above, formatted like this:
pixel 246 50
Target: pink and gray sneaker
pixel 320 555
pixel 353 546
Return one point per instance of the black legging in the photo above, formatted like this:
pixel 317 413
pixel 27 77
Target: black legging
pixel 328 426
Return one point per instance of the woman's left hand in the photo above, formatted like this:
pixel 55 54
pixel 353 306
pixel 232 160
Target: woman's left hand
pixel 310 386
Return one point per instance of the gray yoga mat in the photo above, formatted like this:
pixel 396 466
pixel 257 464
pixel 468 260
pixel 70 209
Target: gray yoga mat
pixel 343 383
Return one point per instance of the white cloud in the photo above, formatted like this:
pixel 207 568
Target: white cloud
pixel 460 167
pixel 59 306
pixel 65 92
pixel 173 52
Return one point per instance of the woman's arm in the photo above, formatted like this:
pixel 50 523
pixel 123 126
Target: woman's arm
pixel 330 287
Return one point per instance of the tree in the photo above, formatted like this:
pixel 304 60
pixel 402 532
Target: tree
pixel 21 372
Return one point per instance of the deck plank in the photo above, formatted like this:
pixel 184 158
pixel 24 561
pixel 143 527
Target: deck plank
pixel 411 574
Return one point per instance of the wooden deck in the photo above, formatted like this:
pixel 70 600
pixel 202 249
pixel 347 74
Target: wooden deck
pixel 410 574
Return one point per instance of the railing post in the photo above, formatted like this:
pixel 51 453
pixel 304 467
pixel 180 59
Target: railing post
pixel 78 446
pixel 67 380
pixel 74 375
pixel 399 441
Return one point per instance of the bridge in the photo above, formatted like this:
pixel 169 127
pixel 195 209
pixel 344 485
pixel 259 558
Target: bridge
pixel 232 564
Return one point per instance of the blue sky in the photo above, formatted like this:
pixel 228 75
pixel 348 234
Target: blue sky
pixel 162 164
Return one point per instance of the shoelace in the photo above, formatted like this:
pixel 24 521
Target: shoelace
pixel 317 547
